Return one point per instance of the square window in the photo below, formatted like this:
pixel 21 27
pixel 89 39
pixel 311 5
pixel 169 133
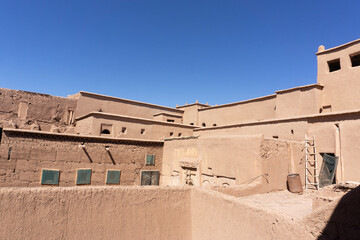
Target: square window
pixel 83 176
pixel 150 160
pixel 149 178
pixel 355 60
pixel 50 177
pixel 113 176
pixel 334 65
pixel 142 131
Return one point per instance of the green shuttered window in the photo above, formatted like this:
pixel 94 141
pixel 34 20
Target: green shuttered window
pixel 50 177
pixel 83 176
pixel 150 160
pixel 113 177
pixel 150 178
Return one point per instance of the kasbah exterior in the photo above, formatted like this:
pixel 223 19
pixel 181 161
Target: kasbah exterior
pixel 91 166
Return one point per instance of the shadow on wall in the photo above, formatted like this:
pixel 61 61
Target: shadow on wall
pixel 345 220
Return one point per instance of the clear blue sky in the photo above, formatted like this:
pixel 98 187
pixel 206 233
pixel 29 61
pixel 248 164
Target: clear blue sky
pixel 169 52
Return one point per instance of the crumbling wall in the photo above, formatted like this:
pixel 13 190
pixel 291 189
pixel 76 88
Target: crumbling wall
pixel 35 111
pixel 95 213
pixel 23 154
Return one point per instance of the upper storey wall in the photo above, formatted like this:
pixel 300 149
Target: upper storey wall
pixel 90 102
pixel 191 113
pixel 341 87
pixel 250 110
pixel 29 110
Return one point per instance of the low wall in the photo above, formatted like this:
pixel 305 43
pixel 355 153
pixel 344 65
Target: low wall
pixel 217 216
pixel 95 213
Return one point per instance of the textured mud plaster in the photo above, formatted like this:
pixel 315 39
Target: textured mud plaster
pixel 230 219
pixel 95 213
pixel 32 151
pixel 28 110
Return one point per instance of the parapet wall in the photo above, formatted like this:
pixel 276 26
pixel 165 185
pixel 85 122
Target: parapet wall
pixel 95 213
pixel 23 155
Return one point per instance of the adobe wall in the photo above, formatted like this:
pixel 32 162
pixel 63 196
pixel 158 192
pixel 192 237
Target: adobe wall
pixel 342 87
pixel 250 110
pixel 33 151
pixel 89 102
pixel 299 101
pixel 231 161
pixel 217 216
pixel 28 110
pixel 95 213
pixel 135 127
pixel 191 113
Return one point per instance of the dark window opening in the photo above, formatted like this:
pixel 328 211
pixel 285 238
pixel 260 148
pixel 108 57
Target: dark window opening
pixel 355 60
pixel 105 131
pixel 123 130
pixel 334 65
pixel 0 134
pixel 179 135
pixel 292 131
pixel 203 124
pixel 214 125
pixel 171 133
pixel 9 153
pixel 142 131
pixel 150 178
pixel 191 124
pixel 170 120
pixel 275 136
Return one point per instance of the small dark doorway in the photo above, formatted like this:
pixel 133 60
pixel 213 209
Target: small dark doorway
pixel 328 169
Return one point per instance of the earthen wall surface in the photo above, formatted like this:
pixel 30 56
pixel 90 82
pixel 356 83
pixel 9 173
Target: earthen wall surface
pixel 95 213
pixel 31 152
pixel 28 110
pixel 89 102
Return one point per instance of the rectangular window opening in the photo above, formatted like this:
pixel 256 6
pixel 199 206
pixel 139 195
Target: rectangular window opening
pixel 113 176
pixel 142 131
pixel 171 133
pixel 123 130
pixel 83 176
pixel 191 124
pixel 50 177
pixel 150 160
pixel 1 131
pixel 355 60
pixel 334 65
pixel 170 120
pixel 179 135
pixel 149 178
pixel 275 136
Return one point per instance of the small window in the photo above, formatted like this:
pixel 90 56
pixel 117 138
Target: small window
pixel 1 131
pixel 179 135
pixel 203 124
pixel 170 120
pixel 142 131
pixel 9 153
pixel 214 125
pixel 150 160
pixel 275 136
pixel 191 124
pixel 105 131
pixel 149 178
pixel 355 60
pixel 334 65
pixel 83 176
pixel 50 177
pixel 113 177
pixel 171 133
pixel 123 130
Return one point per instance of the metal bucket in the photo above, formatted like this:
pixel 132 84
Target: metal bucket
pixel 294 183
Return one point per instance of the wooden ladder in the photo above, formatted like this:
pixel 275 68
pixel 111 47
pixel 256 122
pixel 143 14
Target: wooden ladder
pixel 311 166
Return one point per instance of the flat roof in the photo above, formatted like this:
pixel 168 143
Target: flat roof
pixel 131 101
pixel 80 136
pixel 338 47
pixel 316 85
pixel 167 114
pixel 101 114
pixel 241 102
pixel 275 120
pixel 193 104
